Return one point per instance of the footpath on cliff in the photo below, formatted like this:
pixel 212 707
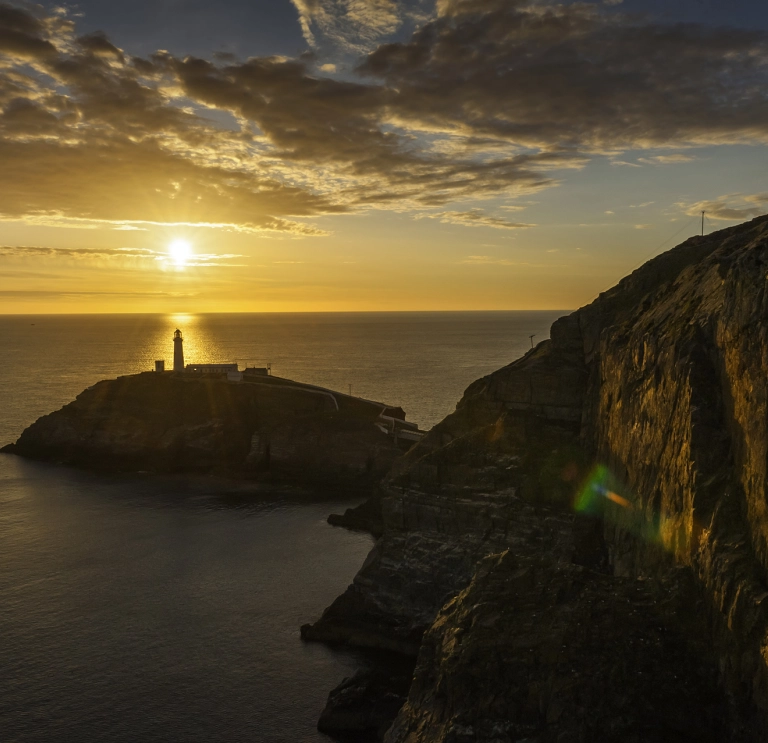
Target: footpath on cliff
pixel 579 551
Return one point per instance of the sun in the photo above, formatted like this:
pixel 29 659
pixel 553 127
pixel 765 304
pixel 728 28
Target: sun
pixel 180 251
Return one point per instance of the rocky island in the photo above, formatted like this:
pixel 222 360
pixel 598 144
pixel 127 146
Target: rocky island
pixel 579 552
pixel 263 426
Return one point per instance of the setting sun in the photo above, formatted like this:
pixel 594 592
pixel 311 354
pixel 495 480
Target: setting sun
pixel 180 251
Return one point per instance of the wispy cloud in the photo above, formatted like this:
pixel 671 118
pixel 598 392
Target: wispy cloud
pixel 475 218
pixel 21 251
pixel 667 159
pixel 59 294
pixel 730 207
pixel 490 260
pixel 487 260
pixel 127 254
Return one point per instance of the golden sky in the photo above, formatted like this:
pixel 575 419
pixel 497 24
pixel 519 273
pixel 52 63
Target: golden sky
pixel 483 154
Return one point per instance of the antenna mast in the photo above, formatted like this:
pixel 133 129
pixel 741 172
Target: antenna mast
pixel 702 223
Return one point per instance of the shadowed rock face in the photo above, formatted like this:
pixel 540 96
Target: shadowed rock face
pixel 663 381
pixel 361 708
pixel 431 545
pixel 545 651
pixel 186 423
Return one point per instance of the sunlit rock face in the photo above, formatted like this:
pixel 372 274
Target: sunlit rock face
pixel 626 458
pixel 677 410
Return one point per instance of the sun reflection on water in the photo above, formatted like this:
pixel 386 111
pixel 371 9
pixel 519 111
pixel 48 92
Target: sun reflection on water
pixel 200 344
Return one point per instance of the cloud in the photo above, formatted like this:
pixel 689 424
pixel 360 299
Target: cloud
pixel 552 76
pixel 486 260
pixel 343 131
pixel 89 134
pixel 486 98
pixel 351 25
pixel 667 159
pixel 475 218
pixel 59 294
pixel 489 260
pixel 116 255
pixel 22 34
pixel 23 251
pixel 643 226
pixel 731 207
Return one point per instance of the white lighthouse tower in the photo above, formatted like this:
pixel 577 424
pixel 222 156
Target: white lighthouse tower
pixel 178 351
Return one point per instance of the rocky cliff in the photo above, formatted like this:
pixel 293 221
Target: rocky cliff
pixel 579 552
pixel 192 423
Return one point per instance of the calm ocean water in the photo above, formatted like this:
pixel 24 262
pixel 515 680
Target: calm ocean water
pixel 152 609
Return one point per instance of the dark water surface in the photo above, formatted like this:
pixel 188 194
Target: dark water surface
pixel 154 609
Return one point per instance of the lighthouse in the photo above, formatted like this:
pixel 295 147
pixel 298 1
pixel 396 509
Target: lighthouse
pixel 178 351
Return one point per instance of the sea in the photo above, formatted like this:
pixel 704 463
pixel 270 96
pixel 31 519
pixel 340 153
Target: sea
pixel 139 608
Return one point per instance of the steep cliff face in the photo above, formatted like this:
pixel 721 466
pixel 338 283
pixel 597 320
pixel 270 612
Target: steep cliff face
pixel 639 428
pixel 189 423
pixel 677 410
pixel 543 650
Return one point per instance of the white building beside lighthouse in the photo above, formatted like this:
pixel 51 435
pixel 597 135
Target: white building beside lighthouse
pixel 230 370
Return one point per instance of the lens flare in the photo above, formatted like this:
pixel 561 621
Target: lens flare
pixel 650 525
pixel 599 487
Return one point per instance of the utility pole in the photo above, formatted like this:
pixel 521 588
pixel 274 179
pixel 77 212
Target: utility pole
pixel 532 337
pixel 702 223
pixel 350 390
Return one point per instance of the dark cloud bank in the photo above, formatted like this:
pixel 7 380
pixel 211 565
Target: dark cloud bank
pixel 489 97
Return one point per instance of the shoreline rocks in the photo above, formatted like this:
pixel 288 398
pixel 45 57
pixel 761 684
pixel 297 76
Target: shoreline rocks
pixel 367 516
pixel 363 707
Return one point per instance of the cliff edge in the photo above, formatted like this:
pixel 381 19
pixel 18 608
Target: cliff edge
pixel 579 551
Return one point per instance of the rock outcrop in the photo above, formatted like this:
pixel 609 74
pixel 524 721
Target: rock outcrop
pixel 362 708
pixel 616 475
pixel 193 423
